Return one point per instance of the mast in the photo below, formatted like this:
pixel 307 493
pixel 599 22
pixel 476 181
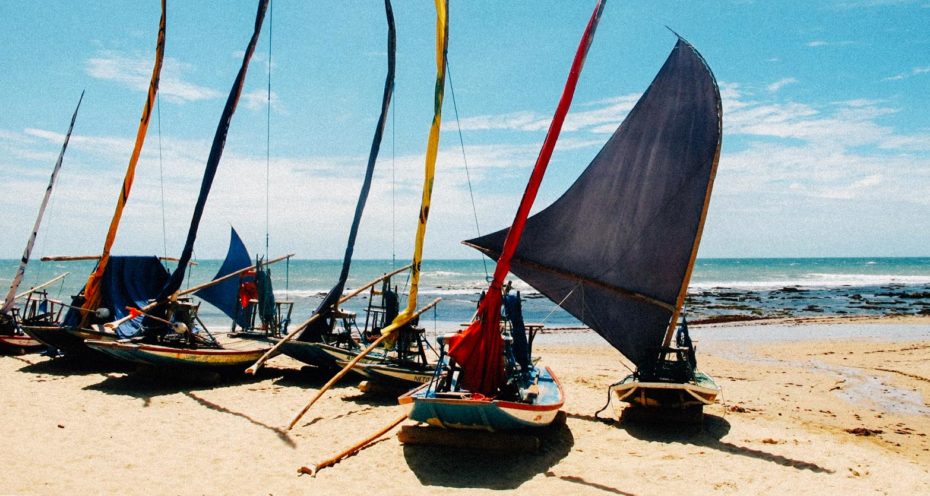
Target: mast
pixel 92 294
pixel 18 278
pixel 331 301
pixel 213 160
pixel 478 349
pixel 432 148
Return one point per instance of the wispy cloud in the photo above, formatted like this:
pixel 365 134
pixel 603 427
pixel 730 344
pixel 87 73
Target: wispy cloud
pixel 904 75
pixel 781 83
pixel 824 43
pixel 135 72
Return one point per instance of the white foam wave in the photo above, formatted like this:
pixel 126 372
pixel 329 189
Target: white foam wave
pixel 819 280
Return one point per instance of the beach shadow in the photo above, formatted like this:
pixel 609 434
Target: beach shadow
pixel 281 433
pixel 709 435
pixel 73 365
pixel 147 382
pixel 456 467
pixel 579 480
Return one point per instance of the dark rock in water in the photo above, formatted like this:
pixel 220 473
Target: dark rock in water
pixel 856 296
pixel 791 289
pixel 812 308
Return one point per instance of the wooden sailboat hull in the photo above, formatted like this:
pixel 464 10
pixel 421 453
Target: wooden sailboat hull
pixel 668 395
pixel 69 341
pixel 376 367
pixel 309 353
pixel 465 411
pixel 157 355
pixel 16 343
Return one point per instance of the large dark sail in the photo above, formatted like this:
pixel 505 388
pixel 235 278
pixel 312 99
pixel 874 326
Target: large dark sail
pixel 616 250
pixel 213 160
pixel 328 305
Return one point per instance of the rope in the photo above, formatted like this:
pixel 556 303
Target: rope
pixel 609 389
pixel 161 178
pixel 559 304
pixel 471 193
pixel 268 138
pixel 393 189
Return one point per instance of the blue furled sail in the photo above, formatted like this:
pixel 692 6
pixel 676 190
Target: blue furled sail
pixel 213 160
pixel 127 281
pixel 616 250
pixel 329 303
pixel 225 295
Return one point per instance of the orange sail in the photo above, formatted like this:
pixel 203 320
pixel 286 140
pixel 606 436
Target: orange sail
pixel 92 288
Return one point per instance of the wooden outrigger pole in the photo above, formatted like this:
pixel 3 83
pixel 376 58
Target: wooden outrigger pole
pixel 302 327
pixel 329 462
pixel 345 370
pixel 43 285
pixel 117 323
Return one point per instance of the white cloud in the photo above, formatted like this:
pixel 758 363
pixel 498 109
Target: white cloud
pixel 781 83
pixel 135 72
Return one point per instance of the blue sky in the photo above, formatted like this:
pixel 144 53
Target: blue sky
pixel 826 148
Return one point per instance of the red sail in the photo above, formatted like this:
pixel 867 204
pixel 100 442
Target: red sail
pixel 479 349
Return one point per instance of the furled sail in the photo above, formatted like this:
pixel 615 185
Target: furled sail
pixel 213 160
pixel 329 303
pixel 432 148
pixel 18 278
pixel 617 249
pixel 92 295
pixel 479 348
pixel 225 295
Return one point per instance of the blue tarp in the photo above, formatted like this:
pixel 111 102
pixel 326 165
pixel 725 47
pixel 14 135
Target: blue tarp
pixel 127 281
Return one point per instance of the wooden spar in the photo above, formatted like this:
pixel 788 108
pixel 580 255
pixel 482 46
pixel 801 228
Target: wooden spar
pixel 117 323
pixel 79 258
pixel 43 285
pixel 329 462
pixel 313 318
pixel 345 370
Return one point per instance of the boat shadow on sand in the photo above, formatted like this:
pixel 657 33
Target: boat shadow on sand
pixel 709 435
pixel 457 468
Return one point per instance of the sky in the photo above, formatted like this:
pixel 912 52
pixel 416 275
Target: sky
pixel 826 142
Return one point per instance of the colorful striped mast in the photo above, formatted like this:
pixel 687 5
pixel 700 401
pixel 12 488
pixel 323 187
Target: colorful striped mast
pixel 478 348
pixel 432 148
pixel 18 278
pixel 92 294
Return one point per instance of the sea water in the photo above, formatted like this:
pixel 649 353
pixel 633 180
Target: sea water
pixel 732 288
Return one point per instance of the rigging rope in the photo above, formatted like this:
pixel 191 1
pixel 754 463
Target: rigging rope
pixel 393 189
pixel 161 175
pixel 268 138
pixel 471 193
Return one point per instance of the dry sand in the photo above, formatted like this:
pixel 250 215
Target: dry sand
pixel 803 416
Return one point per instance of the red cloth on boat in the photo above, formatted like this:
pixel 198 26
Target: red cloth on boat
pixel 479 349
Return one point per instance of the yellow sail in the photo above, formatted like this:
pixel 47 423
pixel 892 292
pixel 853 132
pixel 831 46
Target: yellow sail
pixel 92 288
pixel 432 147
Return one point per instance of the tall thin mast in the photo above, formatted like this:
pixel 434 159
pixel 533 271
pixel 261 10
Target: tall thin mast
pixel 213 159
pixel 18 278
pixel 92 288
pixel 432 148
pixel 480 343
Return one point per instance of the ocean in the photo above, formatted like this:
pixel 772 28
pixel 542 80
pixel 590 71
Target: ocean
pixel 721 288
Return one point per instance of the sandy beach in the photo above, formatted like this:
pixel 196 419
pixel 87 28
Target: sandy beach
pixel 828 406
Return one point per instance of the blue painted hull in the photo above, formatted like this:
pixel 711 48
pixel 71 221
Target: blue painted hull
pixel 309 353
pixel 464 411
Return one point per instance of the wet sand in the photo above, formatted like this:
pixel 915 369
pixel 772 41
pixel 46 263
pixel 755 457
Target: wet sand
pixel 824 407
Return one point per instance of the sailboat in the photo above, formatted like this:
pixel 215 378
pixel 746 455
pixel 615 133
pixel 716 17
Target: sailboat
pixel 12 338
pixel 488 379
pixel 331 336
pixel 624 271
pixel 171 332
pixel 115 281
